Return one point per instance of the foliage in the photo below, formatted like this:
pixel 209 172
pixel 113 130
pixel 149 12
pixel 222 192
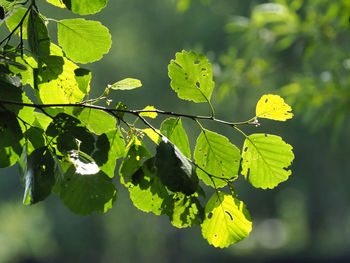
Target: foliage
pixel 67 143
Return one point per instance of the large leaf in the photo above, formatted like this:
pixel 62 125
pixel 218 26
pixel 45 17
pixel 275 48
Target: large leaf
pixel 191 76
pixel 266 159
pixel 173 130
pixel 38 36
pixel 85 194
pixel 38 175
pixel 174 169
pixel 85 7
pixel 218 157
pixel 147 192
pixel 273 107
pixel 91 39
pixel 97 121
pixel 226 222
pixel 58 83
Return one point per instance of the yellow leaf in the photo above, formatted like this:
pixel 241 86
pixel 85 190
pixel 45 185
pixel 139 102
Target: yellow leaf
pixel 152 135
pixel 273 107
pixel 152 115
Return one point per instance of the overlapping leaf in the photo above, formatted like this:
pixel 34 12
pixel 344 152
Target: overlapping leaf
pixel 38 36
pixel 84 7
pixel 266 159
pixel 14 20
pixel 217 156
pixel 191 76
pixel 226 222
pixel 92 39
pixel 97 121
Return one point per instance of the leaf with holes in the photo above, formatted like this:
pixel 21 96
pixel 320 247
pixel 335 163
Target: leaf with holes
pixel 173 130
pixel 92 39
pixel 273 107
pixel 85 194
pixel 175 171
pixel 265 160
pixel 147 192
pixel 191 76
pixel 227 221
pixel 217 156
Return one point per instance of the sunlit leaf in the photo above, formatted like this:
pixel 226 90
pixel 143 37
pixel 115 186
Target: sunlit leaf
pixel 83 163
pixel 218 157
pixel 226 222
pixel 14 20
pixel 155 137
pixel 266 159
pixel 126 84
pixel 273 107
pixel 191 76
pixel 58 3
pixel 85 7
pixel 92 39
pixel 173 130
pixel 152 115
pixel 97 121
pixel 174 169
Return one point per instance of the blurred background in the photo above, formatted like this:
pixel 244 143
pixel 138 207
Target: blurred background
pixel 299 49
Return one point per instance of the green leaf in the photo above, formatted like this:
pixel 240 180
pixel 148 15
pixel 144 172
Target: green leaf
pixel 191 76
pixel 38 36
pixel 147 192
pixel 266 159
pixel 85 194
pixel 85 7
pixel 38 175
pixel 83 78
pixel 217 156
pixel 10 130
pixel 10 92
pixel 135 155
pixel 174 169
pixel 173 130
pixel 116 151
pixel 97 121
pixel 91 39
pixel 150 114
pixel 10 155
pixel 58 83
pixel 14 20
pixel 273 107
pixel 126 84
pixel 120 106
pixel 185 210
pixel 226 222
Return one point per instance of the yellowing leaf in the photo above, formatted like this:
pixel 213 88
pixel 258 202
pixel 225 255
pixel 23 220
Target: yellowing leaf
pixel 152 135
pixel 152 115
pixel 273 107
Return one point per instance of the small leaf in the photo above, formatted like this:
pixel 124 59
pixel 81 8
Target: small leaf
pixel 126 84
pixel 265 160
pixel 152 135
pixel 174 169
pixel 10 130
pixel 191 76
pixel 147 192
pixel 85 194
pixel 226 222
pixel 38 175
pixel 217 156
pixel 172 129
pixel 120 106
pixel 152 115
pixel 38 36
pixel 92 39
pixel 58 3
pixel 273 107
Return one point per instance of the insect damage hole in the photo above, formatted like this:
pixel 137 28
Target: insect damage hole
pixel 210 215
pixel 198 85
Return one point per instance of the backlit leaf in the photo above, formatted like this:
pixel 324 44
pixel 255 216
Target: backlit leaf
pixel 85 7
pixel 126 84
pixel 58 3
pixel 38 36
pixel 266 159
pixel 273 107
pixel 226 222
pixel 97 121
pixel 14 20
pixel 152 115
pixel 155 137
pixel 191 76
pixel 92 39
pixel 218 157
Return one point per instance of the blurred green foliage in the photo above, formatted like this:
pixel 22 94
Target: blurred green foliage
pixel 296 48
